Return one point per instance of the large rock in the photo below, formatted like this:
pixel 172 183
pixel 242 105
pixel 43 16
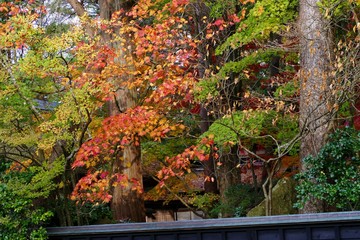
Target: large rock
pixel 283 199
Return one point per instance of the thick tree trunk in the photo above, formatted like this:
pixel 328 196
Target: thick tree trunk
pixel 126 203
pixel 315 56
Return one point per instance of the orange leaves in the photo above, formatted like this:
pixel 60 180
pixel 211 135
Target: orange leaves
pixel 13 8
pixel 10 8
pixel 177 5
pixel 95 187
pixel 247 1
pixel 219 22
pixel 180 164
pixel 219 25
pixel 121 130
pixel 155 59
pixel 98 60
pixel 19 166
pixel 161 53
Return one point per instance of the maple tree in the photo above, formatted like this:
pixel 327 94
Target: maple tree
pixel 153 79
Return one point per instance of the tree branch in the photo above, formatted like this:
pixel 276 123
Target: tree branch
pixel 180 199
pixel 81 12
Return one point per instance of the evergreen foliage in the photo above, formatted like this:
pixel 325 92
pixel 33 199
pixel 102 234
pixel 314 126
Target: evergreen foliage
pixel 334 174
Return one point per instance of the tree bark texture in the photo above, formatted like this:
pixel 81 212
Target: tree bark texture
pixel 315 55
pixel 126 203
pixel 210 186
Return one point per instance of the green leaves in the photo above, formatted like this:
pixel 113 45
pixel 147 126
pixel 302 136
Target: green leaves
pixel 251 126
pixel 333 175
pixel 253 58
pixel 267 16
pixel 20 218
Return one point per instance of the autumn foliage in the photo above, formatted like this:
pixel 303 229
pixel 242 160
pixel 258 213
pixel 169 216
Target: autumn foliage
pixel 197 89
pixel 157 64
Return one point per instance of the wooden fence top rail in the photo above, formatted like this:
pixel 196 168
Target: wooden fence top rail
pixel 223 223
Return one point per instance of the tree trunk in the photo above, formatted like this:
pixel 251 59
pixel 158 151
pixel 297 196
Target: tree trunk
pixel 210 186
pixel 229 175
pixel 315 52
pixel 200 10
pixel 126 204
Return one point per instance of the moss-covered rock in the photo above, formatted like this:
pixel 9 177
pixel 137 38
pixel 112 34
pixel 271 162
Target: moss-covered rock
pixel 283 199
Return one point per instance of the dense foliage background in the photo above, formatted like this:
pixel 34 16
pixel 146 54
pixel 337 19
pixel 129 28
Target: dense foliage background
pixel 107 104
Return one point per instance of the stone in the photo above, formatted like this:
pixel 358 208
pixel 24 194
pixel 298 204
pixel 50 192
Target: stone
pixel 283 199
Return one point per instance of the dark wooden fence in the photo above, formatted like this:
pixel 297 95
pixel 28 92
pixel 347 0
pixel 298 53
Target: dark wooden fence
pixel 334 226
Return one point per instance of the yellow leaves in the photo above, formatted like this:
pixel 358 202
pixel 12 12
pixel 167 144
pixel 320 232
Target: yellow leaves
pixel 16 166
pixel 162 121
pixel 20 32
pixel 260 10
pixel 13 137
pixel 151 12
pixel 356 27
pixel 91 163
pixel 247 1
pixel 280 105
pixel 61 185
pixel 47 143
pixel 209 35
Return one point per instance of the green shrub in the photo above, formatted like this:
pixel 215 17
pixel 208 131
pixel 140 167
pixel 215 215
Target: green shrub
pixel 334 174
pixel 19 218
pixel 238 200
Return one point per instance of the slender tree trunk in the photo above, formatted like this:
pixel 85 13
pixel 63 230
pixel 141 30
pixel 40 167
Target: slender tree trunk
pixel 315 53
pixel 209 166
pixel 253 174
pixel 200 10
pixel 229 175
